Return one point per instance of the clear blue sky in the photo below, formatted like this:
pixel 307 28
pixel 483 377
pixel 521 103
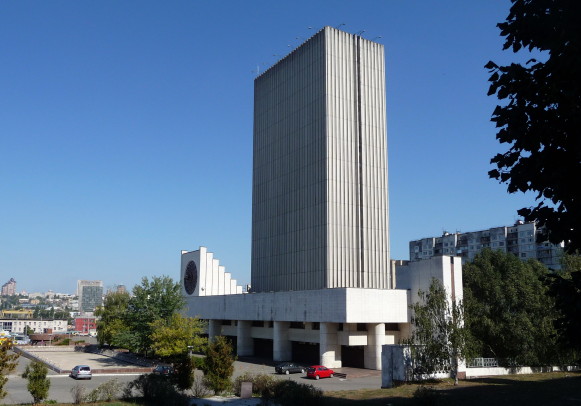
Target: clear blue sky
pixel 126 127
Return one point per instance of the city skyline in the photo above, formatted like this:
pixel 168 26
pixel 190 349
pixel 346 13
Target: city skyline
pixel 127 133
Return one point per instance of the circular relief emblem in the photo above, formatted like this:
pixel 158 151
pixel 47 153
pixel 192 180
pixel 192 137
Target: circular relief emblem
pixel 191 277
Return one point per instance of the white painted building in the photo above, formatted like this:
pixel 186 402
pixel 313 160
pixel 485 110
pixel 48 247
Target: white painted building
pixel 37 325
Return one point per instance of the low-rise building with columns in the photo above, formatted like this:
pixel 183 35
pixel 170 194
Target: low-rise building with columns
pixel 335 327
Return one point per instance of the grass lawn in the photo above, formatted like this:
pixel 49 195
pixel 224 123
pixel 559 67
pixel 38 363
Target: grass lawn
pixel 557 388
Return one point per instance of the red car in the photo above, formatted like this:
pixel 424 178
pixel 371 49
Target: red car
pixel 319 371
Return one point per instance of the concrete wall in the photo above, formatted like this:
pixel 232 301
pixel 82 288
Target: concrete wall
pixel 341 305
pixel 417 275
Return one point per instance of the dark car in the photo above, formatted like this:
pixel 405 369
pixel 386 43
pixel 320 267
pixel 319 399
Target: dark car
pixel 163 370
pixel 289 368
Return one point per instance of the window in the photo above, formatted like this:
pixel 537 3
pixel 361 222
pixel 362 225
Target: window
pixel 523 255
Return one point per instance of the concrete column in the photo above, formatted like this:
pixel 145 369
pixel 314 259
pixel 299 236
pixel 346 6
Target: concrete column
pixel 214 329
pixel 375 339
pixel 245 343
pixel 329 348
pixel 282 347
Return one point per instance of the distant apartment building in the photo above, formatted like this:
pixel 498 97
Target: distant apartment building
pixel 85 325
pixel 519 239
pixel 90 295
pixel 117 289
pixel 9 288
pixel 37 325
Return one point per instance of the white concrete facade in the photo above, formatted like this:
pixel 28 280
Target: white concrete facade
pixel 319 199
pixel 333 319
pixel 210 277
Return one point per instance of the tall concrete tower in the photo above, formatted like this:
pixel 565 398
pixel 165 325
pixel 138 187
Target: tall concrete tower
pixel 319 198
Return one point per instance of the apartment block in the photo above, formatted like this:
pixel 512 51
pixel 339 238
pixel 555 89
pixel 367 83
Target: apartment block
pixel 519 239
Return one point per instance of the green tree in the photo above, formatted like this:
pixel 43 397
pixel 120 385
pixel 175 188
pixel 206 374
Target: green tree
pixel 219 364
pixel 28 330
pixel 185 368
pixel 176 336
pixel 112 316
pixel 541 114
pixel 438 335
pixel 508 312
pixel 174 339
pixel 38 384
pixel 7 364
pixel 565 288
pixel 157 299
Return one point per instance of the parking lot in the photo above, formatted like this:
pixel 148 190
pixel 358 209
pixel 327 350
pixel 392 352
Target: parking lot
pixel 105 368
pixel 63 359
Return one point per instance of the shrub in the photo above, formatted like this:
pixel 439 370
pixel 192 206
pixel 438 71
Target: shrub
pixel 78 394
pixel 199 389
pixel 105 392
pixel 262 384
pixel 156 390
pixel 184 373
pixel 426 396
pixel 64 341
pixel 7 364
pixel 290 393
pixel 38 385
pixel 198 363
pixel 219 365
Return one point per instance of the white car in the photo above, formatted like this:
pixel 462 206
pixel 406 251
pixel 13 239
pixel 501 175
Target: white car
pixel 81 372
pixel 21 340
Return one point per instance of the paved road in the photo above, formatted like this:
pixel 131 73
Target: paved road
pixel 61 384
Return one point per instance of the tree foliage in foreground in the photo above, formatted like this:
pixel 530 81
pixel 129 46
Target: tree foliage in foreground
pixel 219 364
pixel 128 322
pixel 438 331
pixel 38 384
pixel 508 311
pixel 565 288
pixel 157 299
pixel 111 316
pixel 7 364
pixel 174 337
pixel 540 117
